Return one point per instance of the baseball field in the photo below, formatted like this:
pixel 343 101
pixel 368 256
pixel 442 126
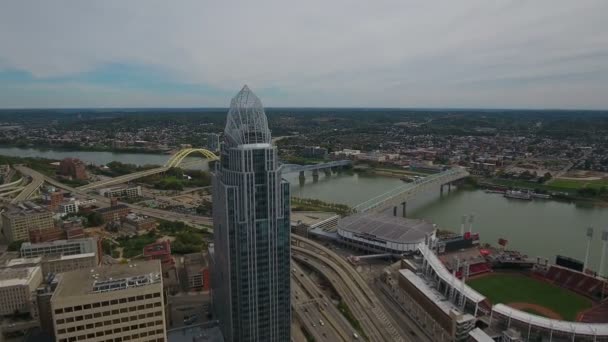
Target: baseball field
pixel 530 295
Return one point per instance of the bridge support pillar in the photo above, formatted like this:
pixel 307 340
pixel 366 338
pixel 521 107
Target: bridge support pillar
pixel 315 175
pixel 394 211
pixel 449 185
pixel 302 176
pixel 404 204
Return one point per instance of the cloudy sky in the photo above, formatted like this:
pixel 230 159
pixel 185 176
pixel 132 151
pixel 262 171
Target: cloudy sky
pixel 312 53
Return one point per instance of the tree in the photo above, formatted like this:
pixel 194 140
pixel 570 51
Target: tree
pixel 94 219
pixel 15 246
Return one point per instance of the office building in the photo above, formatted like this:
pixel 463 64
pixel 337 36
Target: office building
pixel 18 290
pixel 197 271
pixel 110 303
pixel 121 192
pixel 73 168
pixel 65 263
pixel 213 142
pixel 251 278
pixel 19 220
pixel 61 247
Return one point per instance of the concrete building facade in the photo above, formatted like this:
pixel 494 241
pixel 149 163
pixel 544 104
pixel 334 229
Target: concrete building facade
pixel 18 221
pixel 60 247
pixel 251 270
pixel 18 290
pixel 112 303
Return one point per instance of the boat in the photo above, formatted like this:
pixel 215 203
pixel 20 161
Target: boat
pixel 491 191
pixel 541 196
pixel 518 195
pixel 406 179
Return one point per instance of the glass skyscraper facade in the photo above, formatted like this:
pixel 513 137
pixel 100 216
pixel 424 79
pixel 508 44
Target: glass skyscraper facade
pixel 251 270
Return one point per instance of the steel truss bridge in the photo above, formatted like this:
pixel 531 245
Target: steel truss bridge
pixel 178 159
pixel 400 195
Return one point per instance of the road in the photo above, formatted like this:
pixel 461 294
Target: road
pixel 37 179
pixel 363 303
pixel 312 307
pixel 200 222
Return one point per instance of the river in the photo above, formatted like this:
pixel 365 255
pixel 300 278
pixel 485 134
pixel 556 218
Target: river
pixel 538 228
pixel 91 157
pixel 541 228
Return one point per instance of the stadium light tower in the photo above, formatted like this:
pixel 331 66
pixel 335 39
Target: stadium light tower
pixel 471 218
pixel 462 223
pixel 589 237
pixel 603 257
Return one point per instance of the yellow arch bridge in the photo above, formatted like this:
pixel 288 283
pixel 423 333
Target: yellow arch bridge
pixel 174 161
pixel 178 157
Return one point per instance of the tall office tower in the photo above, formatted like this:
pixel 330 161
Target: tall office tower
pixel 250 279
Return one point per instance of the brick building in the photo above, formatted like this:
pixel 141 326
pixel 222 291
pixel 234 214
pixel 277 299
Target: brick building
pixel 74 168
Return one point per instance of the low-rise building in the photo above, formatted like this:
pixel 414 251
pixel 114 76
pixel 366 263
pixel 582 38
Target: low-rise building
pixel 117 303
pixel 196 266
pixel 139 222
pixel 18 290
pixel 121 192
pixel 73 168
pixel 61 247
pixel 116 212
pixel 19 220
pixel 315 152
pixel 159 251
pixel 65 263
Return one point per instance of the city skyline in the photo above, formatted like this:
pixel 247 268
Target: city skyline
pixel 472 54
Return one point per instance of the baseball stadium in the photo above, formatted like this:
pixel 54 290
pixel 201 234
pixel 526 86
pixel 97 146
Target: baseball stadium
pixel 508 294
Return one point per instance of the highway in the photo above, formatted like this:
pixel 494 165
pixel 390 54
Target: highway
pixel 363 303
pixel 311 307
pixel 37 179
pixel 201 222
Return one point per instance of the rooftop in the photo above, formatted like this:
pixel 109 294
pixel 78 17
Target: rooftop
pixel 109 278
pixel 445 305
pixel 17 276
pixel 310 218
pixel 246 122
pixel 17 262
pixel 23 209
pixel 386 227
pixel 54 243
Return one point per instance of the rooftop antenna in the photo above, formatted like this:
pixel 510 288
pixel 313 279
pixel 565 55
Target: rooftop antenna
pixel 589 237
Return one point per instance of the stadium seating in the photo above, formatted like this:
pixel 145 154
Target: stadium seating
pixel 581 283
pixel 479 268
pixel 597 314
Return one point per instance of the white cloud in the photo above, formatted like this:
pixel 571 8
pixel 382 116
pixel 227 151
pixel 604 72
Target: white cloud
pixel 382 53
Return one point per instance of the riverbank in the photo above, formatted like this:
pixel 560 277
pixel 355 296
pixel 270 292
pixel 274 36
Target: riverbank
pixel 387 172
pixel 557 193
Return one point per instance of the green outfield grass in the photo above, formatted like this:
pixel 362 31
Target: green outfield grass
pixel 510 288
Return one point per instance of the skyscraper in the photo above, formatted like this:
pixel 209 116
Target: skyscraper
pixel 250 280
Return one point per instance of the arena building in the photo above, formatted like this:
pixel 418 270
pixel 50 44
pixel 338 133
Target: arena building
pixel 382 233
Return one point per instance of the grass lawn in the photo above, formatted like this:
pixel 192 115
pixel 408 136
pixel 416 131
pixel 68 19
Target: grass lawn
pixel 509 288
pixel 577 184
